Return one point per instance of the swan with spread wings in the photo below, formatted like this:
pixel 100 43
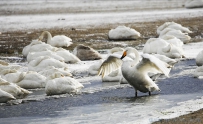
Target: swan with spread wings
pixel 136 71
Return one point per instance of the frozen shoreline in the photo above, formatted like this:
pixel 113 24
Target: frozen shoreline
pixel 99 112
pixel 90 20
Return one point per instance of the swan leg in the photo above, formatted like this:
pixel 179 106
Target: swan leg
pixel 149 93
pixel 135 93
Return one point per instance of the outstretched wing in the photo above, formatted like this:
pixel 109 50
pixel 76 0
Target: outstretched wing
pixel 152 64
pixel 109 65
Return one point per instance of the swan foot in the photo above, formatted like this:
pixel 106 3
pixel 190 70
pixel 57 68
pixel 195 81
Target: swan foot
pixel 149 93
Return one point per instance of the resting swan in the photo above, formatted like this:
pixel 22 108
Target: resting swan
pixel 37 46
pixel 184 37
pixel 173 25
pixel 27 80
pixel 33 55
pixel 43 62
pixel 52 70
pixel 56 41
pixel 123 33
pixel 199 58
pixel 5 97
pixel 160 46
pixel 135 72
pixel 13 89
pixel 61 85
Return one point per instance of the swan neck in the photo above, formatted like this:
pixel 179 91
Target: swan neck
pixel 49 36
pixel 137 56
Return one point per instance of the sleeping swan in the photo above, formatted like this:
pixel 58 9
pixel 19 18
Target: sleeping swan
pixel 5 97
pixel 56 41
pixel 199 58
pixel 61 85
pixel 135 72
pixel 13 89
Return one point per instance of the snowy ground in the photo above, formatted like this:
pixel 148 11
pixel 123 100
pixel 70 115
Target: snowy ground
pixel 103 102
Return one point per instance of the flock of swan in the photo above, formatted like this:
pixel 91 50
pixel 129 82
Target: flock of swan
pixel 47 63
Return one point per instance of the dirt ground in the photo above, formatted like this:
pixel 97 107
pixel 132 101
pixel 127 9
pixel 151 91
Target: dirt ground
pixel 12 43
pixel 192 118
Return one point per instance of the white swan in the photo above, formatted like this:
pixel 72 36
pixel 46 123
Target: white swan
pixel 67 56
pixel 37 46
pixel 123 33
pixel 173 40
pixel 27 80
pixel 5 97
pixel 199 58
pixel 61 85
pixel 48 72
pixel 135 72
pixel 13 89
pixel 173 25
pixel 56 41
pixel 160 46
pixel 33 55
pixel 43 62
pixel 184 37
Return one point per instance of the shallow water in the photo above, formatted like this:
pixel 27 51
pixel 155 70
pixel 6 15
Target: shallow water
pixel 111 102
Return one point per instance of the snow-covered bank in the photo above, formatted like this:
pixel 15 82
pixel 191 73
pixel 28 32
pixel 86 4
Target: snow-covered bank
pixel 81 20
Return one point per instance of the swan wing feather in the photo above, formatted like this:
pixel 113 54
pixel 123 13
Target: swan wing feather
pixel 152 64
pixel 111 64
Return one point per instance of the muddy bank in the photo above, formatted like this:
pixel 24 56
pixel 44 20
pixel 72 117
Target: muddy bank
pixel 97 37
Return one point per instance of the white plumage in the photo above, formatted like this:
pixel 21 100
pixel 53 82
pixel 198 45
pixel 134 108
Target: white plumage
pixel 56 41
pixel 61 85
pixel 123 33
pixel 135 72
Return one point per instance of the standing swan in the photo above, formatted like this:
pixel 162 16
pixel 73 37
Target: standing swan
pixel 135 72
pixel 57 41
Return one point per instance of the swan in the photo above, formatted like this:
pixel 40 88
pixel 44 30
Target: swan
pixel 173 25
pixel 33 55
pixel 86 53
pixel 115 76
pixel 13 89
pixel 123 33
pixel 61 85
pixel 56 41
pixel 36 46
pixel 42 62
pixel 67 56
pixel 160 46
pixel 135 72
pixel 27 80
pixel 5 97
pixel 184 37
pixel 199 58
pixel 52 70
pixel 173 40
pixel 194 4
